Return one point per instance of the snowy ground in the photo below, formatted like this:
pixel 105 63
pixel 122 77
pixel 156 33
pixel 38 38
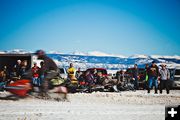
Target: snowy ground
pixel 95 106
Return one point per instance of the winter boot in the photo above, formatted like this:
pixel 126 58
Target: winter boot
pixel 156 91
pixel 148 90
pixel 167 91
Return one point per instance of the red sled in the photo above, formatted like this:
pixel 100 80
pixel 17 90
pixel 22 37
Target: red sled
pixel 19 87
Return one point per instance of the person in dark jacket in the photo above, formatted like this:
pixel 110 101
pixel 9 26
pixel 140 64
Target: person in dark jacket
pixel 24 68
pixel 89 78
pixel 17 68
pixel 49 68
pixel 153 73
pixel 99 78
pixel 41 73
pixel 135 73
pixel 78 73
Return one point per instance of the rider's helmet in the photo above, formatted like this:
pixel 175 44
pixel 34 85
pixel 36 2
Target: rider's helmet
pixel 40 53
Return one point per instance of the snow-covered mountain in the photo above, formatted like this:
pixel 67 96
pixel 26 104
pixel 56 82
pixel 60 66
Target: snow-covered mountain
pixel 100 59
pixel 167 57
pixel 97 53
pixel 111 62
pixel 138 56
pixel 15 51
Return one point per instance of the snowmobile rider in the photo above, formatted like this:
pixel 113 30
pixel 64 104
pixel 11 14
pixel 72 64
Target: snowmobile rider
pixel 50 70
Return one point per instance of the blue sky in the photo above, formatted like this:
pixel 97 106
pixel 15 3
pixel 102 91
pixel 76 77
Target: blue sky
pixel 124 27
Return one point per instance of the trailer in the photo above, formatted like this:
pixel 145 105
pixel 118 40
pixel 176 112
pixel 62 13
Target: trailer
pixel 9 60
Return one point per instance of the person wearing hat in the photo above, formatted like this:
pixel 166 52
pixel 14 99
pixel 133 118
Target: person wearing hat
pixel 50 70
pixel 164 78
pixel 153 73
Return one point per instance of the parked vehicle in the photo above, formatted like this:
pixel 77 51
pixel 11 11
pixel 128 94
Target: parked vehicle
pixel 102 70
pixel 129 74
pixel 19 88
pixel 171 80
pixel 176 79
pixel 9 60
pixel 63 73
pixel 141 73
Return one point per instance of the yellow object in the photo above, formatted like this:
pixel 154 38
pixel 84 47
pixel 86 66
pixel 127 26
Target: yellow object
pixel 71 71
pixel 74 81
pixel 57 81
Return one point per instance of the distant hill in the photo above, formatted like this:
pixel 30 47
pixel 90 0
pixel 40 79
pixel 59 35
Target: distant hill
pixel 100 59
pixel 113 63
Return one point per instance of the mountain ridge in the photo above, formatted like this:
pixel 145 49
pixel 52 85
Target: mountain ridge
pixel 104 60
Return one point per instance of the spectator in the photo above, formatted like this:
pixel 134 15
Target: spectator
pixel 78 73
pixel 1 76
pixel 135 74
pixel 164 78
pixel 153 73
pixel 146 76
pixel 17 68
pixel 4 74
pixel 41 73
pixel 95 74
pixel 118 75
pixel 81 79
pixel 13 74
pixel 100 79
pixel 71 72
pixel 89 78
pixel 122 75
pixel 35 73
pixel 23 68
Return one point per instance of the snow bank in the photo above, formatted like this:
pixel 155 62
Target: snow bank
pixel 83 106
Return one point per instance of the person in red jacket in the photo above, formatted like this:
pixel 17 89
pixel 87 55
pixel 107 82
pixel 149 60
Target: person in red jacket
pixel 35 73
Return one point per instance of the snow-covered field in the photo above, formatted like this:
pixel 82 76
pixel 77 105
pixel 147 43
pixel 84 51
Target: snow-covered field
pixel 95 106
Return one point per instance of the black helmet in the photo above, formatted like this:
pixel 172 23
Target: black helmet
pixel 40 52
